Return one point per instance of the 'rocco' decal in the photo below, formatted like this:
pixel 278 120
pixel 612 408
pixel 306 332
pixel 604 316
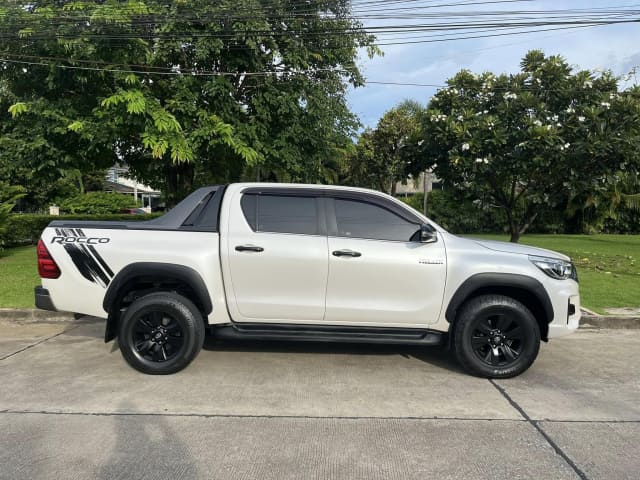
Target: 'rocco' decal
pixel 87 240
pixel 84 255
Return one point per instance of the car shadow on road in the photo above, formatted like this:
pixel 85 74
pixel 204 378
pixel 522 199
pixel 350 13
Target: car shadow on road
pixel 437 356
pixel 146 446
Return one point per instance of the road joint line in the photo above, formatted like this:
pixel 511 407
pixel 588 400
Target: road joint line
pixel 535 424
pixel 241 416
pixel 43 340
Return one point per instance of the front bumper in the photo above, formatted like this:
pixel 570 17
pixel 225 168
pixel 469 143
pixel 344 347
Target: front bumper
pixel 568 319
pixel 43 299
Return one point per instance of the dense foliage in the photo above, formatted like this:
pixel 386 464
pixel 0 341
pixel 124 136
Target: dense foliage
pixel 9 195
pixel 536 141
pixel 446 209
pixel 183 92
pixel 24 229
pixel 385 155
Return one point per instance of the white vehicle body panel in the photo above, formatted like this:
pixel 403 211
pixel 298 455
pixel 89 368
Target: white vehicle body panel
pixel 198 250
pixel 285 283
pixel 392 284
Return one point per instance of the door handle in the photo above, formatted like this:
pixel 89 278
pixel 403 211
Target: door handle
pixel 346 253
pixel 249 248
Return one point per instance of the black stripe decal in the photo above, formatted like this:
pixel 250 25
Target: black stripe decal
pixel 87 265
pixel 100 260
pixel 95 267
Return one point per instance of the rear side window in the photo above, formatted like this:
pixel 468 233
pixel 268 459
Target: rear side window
pixel 364 220
pixel 281 213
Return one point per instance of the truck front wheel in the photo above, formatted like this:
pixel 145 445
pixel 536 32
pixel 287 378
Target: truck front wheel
pixel 495 336
pixel 161 333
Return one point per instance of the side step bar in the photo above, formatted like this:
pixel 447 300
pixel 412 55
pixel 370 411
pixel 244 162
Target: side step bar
pixel 328 333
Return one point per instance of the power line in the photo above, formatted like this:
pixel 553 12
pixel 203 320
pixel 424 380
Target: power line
pixel 241 74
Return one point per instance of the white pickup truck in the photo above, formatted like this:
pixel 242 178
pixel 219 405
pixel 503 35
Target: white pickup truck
pixel 305 262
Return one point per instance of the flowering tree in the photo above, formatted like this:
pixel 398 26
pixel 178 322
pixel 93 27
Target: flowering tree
pixel 533 140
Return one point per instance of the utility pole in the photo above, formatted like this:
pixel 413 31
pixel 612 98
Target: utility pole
pixel 427 184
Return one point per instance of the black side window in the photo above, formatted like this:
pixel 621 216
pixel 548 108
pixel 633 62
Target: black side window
pixel 281 213
pixel 365 220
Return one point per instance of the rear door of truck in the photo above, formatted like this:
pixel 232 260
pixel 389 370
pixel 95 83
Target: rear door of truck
pixel 275 255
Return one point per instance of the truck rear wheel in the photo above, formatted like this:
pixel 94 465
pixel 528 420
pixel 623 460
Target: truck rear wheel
pixel 496 337
pixel 161 333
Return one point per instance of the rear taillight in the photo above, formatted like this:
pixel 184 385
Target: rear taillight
pixel 47 267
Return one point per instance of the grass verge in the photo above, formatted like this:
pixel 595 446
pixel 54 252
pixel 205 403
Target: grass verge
pixel 18 277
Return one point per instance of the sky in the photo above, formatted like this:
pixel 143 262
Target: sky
pixel 614 47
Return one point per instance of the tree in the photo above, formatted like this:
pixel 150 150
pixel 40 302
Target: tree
pixel 385 155
pixel 391 139
pixel 182 92
pixel 534 140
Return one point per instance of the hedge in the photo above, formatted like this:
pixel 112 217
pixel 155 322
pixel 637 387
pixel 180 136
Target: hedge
pixel 25 229
pixel 98 203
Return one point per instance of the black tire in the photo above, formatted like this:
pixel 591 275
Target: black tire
pixel 490 324
pixel 161 333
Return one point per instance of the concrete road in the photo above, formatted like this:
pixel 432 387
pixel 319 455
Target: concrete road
pixel 71 408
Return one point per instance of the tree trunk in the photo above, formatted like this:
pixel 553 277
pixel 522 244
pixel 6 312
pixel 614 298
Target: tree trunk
pixel 179 181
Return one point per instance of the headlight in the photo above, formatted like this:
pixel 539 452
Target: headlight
pixel 558 269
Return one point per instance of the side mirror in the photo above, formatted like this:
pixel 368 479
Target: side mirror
pixel 428 234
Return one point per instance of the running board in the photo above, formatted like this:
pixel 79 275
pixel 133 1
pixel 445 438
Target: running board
pixel 328 333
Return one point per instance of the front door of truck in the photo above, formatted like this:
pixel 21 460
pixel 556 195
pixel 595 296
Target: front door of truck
pixel 379 271
pixel 276 254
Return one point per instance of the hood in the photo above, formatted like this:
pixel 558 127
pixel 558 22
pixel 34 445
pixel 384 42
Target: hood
pixel 520 249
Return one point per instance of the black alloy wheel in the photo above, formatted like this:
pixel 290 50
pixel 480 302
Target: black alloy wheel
pixel 157 336
pixel 161 333
pixel 495 336
pixel 497 339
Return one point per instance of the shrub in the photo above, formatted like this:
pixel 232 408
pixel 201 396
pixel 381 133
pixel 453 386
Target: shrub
pixel 458 216
pixel 25 229
pixel 8 197
pixel 98 203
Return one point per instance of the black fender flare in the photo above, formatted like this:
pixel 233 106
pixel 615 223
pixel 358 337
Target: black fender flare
pixel 119 283
pixel 487 281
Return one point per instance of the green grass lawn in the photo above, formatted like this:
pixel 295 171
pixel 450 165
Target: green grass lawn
pixel 608 268
pixel 18 276
pixel 608 265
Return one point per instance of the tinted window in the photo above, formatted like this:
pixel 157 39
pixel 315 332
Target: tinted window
pixel 364 220
pixel 281 214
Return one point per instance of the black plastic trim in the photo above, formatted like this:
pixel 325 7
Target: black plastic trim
pixel 336 193
pixel 43 299
pixel 157 270
pixel 509 280
pixel 328 333
pixel 119 287
pixel 171 221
